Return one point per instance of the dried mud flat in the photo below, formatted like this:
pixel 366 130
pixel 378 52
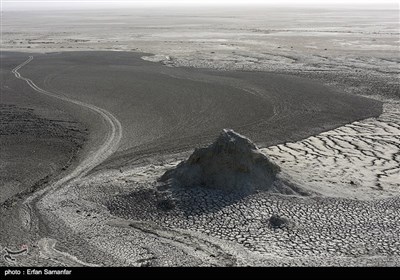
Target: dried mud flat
pixel 119 215
pixel 351 224
pixel 359 160
pixel 213 228
pixel 34 148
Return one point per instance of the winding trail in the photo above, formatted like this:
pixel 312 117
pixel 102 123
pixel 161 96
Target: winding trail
pixel 48 250
pixel 111 139
pixel 109 145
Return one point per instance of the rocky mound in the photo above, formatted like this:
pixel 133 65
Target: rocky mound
pixel 276 221
pixel 232 162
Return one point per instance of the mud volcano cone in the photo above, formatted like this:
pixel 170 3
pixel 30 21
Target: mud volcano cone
pixel 232 162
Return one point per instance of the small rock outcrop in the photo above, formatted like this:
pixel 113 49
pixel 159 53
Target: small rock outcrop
pixel 232 162
pixel 276 221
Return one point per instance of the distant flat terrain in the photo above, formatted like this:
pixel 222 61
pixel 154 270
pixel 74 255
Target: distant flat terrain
pixel 105 101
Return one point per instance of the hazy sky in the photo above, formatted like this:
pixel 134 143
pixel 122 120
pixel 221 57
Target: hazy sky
pixel 59 4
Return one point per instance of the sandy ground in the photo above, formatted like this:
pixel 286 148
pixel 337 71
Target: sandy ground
pixel 359 160
pixel 111 216
pixel 38 138
pixel 158 105
pixel 219 229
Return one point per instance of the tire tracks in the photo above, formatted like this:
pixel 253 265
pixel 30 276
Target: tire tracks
pixel 109 145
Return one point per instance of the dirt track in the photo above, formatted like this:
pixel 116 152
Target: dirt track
pixel 171 109
pixel 110 145
pixel 110 142
pixel 165 109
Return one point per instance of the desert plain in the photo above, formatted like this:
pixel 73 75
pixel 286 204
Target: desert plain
pixel 104 113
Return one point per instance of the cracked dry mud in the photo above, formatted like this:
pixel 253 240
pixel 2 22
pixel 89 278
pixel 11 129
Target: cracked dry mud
pixel 213 227
pixel 324 231
pixel 123 217
pixel 358 160
pixel 113 217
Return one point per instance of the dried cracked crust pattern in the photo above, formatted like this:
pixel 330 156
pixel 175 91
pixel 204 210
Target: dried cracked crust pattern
pixel 202 226
pixel 220 227
pixel 348 178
